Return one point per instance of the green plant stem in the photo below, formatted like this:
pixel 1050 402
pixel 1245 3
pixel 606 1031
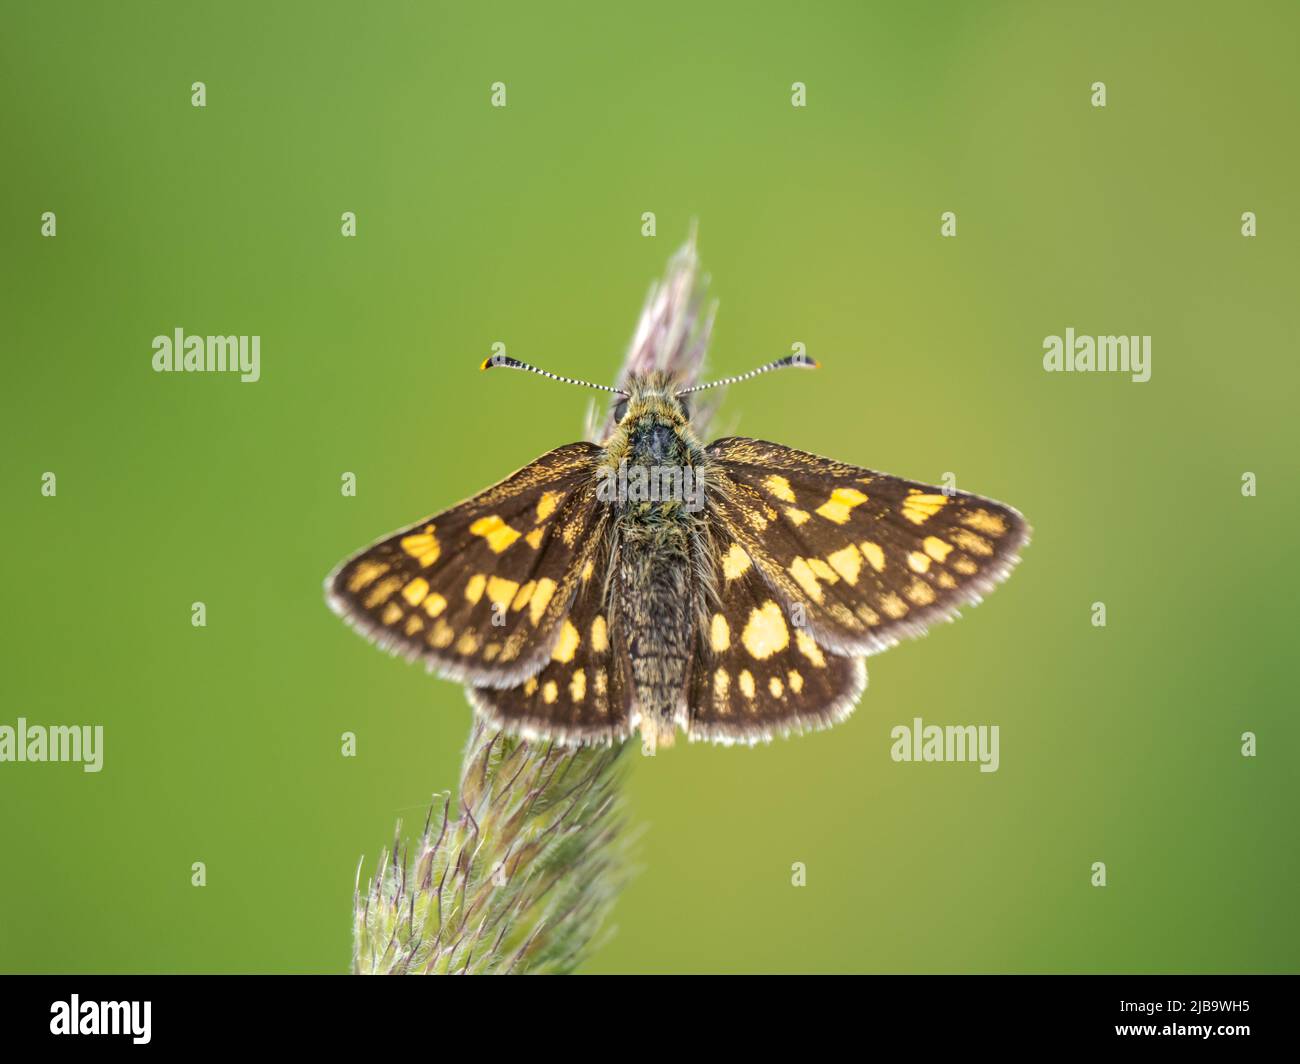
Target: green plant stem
pixel 520 881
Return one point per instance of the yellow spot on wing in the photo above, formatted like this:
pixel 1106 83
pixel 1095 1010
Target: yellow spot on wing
pixel 837 508
pixel 392 613
pixel 719 633
pixel 541 599
pixel 919 507
pixel 874 553
pixel 920 592
pixel 965 566
pixel 918 562
pixel 530 686
pixel 468 642
pixel 382 591
pixel 847 562
pixel 809 649
pixel 936 548
pixel 568 643
pixel 365 574
pixel 415 591
pixel 780 487
pixel 599 635
pixel 867 614
pixel 474 588
pixel 765 633
pixel 736 562
pixel 550 692
pixel 983 521
pixel 546 505
pixel 587 570
pixel 747 683
pixel 498 534
pixel 776 687
pixel 796 516
pixel 969 541
pixel 442 635
pixel 806 579
pixel 413 624
pixel 578 685
pixel 423 546
pixel 893 606
pixel 534 538
pixel 823 571
pixel 525 593
pixel 500 590
pixel 795 679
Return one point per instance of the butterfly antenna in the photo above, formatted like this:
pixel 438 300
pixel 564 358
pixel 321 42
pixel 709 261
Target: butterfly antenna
pixel 505 361
pixel 802 361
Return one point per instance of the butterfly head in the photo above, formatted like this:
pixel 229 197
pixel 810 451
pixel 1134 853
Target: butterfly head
pixel 652 422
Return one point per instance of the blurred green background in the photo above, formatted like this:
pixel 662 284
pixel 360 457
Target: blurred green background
pixel 522 225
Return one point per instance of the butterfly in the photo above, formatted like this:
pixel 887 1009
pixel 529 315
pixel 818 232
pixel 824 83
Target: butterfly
pixel 653 583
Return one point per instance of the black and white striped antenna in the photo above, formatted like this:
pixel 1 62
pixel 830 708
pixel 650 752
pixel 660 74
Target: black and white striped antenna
pixel 802 361
pixel 506 362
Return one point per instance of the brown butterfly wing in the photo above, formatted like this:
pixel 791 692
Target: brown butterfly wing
pixel 581 694
pixel 479 591
pixel 756 673
pixel 868 557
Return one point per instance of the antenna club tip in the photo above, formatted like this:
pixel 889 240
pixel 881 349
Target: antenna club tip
pixel 487 363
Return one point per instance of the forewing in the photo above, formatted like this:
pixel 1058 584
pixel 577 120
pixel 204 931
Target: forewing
pixel 581 694
pixel 757 674
pixel 869 557
pixel 479 590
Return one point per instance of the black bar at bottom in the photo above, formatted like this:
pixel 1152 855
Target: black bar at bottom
pixel 411 1016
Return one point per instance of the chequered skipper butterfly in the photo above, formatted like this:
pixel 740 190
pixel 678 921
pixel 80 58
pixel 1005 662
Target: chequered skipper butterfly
pixel 581 618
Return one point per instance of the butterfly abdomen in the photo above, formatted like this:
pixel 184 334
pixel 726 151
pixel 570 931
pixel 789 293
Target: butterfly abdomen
pixel 655 619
